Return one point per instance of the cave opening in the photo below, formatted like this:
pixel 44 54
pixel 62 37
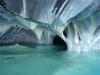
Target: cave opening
pixel 57 41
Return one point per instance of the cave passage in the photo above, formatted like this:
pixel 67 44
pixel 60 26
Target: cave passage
pixel 57 41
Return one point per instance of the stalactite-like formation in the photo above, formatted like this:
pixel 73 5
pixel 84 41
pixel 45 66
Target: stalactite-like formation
pixel 79 17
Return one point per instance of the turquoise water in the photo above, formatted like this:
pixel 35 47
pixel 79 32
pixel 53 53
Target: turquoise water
pixel 47 60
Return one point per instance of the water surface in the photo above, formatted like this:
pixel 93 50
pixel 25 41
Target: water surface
pixel 47 60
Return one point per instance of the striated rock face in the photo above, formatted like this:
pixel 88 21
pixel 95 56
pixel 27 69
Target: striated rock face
pixel 14 5
pixel 17 35
pixel 76 22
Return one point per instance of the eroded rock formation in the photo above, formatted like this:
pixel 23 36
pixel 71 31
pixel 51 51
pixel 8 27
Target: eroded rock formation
pixel 78 19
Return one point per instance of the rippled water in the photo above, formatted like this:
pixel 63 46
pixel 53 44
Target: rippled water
pixel 47 60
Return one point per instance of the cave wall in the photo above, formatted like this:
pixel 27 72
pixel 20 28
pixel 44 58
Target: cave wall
pixel 79 17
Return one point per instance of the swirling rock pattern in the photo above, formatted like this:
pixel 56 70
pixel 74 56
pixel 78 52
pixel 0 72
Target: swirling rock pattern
pixel 78 18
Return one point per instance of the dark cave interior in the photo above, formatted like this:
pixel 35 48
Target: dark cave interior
pixel 57 41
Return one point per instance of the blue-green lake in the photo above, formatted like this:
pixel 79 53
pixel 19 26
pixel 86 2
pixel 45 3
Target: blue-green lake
pixel 47 60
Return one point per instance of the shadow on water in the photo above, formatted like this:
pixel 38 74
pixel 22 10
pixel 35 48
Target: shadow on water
pixel 26 49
